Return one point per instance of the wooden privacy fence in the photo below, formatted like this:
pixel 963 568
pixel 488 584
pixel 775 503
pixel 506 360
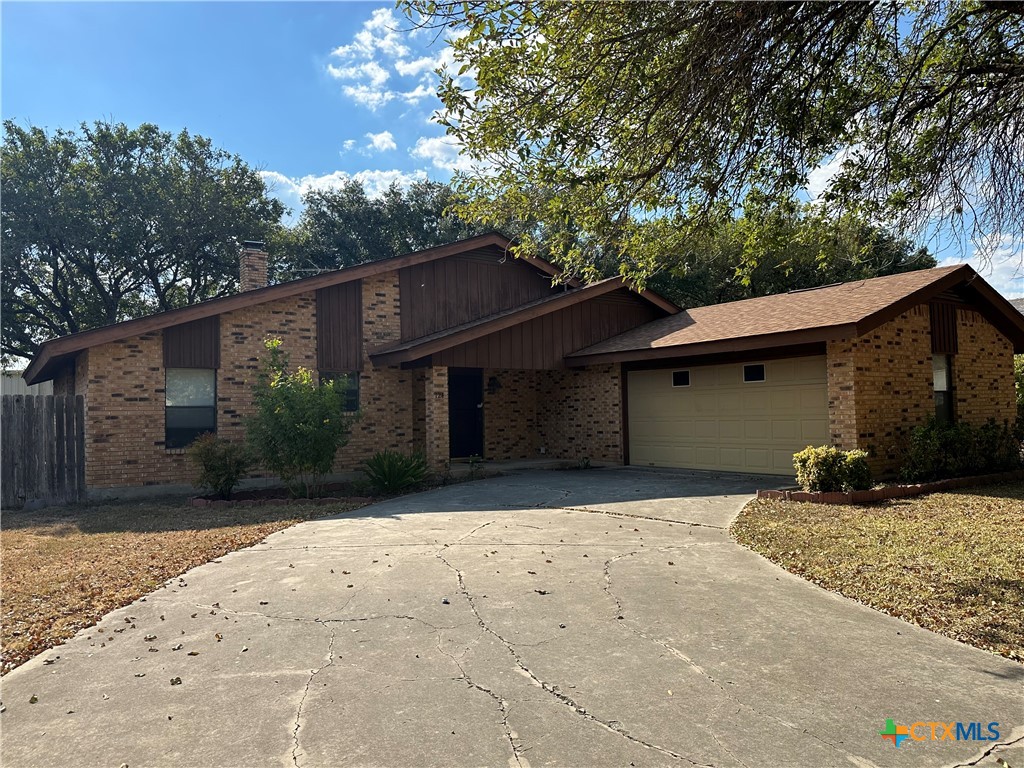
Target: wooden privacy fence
pixel 42 449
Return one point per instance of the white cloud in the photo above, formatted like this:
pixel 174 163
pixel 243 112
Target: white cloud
pixel 369 71
pixel 1000 260
pixel 442 152
pixel 415 67
pixel 417 94
pixel 290 190
pixel 382 141
pixel 347 145
pixel 382 52
pixel 371 98
pixel 820 178
pixel 379 33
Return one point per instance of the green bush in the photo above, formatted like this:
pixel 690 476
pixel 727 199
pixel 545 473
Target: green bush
pixel 391 471
pixel 936 451
pixel 858 473
pixel 299 423
pixel 829 469
pixel 221 463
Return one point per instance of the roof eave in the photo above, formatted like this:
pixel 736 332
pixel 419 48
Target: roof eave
pixel 38 370
pixel 410 351
pixel 744 344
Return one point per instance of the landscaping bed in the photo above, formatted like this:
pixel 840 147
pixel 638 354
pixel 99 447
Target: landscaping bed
pixel 950 562
pixel 66 567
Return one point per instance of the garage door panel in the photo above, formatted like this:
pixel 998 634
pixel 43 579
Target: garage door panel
pixel 757 429
pixel 730 429
pixel 719 422
pixel 758 459
pixel 813 429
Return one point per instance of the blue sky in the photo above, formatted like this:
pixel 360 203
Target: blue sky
pixel 310 93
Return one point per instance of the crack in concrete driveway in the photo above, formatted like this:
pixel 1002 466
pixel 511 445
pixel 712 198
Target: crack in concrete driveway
pixel 545 618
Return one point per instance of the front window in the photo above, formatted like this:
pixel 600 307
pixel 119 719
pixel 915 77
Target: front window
pixel 942 386
pixel 191 405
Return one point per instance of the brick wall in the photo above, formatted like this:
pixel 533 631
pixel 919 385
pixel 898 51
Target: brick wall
pixel 880 384
pixel 510 414
pixel 434 398
pixel 125 393
pixel 243 333
pixel 124 419
pixel 982 372
pixel 579 413
pixel 385 394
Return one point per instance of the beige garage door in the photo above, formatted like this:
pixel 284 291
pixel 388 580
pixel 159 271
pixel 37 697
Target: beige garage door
pixel 709 417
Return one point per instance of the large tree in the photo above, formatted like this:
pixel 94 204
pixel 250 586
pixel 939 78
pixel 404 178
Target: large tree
pixel 774 249
pixel 645 123
pixel 109 222
pixel 343 225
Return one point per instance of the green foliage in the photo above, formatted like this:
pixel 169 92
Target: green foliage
pixel 828 469
pixel 762 253
pixel 391 471
pixel 858 473
pixel 110 223
pixel 624 129
pixel 221 463
pixel 343 226
pixel 936 451
pixel 299 423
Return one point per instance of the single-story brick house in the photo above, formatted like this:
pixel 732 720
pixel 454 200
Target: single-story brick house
pixel 462 350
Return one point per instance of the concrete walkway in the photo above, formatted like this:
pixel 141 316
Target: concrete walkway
pixel 589 618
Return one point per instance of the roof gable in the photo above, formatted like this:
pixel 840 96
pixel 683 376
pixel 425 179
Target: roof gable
pixel 818 314
pixel 54 354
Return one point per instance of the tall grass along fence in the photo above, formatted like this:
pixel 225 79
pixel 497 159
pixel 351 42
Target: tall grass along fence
pixel 42 442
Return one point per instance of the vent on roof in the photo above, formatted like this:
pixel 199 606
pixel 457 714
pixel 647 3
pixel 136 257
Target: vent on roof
pixel 815 288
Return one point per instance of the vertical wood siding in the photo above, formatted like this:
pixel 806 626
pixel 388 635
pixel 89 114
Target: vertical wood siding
pixel 944 335
pixel 449 292
pixel 339 328
pixel 193 345
pixel 541 343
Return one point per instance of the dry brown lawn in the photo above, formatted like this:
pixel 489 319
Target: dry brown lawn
pixel 63 568
pixel 950 562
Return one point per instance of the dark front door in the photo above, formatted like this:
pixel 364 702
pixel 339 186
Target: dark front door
pixel 465 412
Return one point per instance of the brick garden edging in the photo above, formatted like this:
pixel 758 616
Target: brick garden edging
pixel 199 501
pixel 890 491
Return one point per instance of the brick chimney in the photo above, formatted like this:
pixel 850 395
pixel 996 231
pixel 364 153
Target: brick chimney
pixel 252 266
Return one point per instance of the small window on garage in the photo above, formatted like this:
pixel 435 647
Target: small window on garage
pixel 753 372
pixel 680 378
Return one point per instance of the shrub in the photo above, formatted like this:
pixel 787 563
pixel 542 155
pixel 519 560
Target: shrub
pixel 299 423
pixel 828 469
pixel 391 471
pixel 858 473
pixel 221 463
pixel 935 450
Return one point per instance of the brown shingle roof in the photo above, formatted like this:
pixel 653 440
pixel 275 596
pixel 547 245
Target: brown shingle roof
pixel 812 315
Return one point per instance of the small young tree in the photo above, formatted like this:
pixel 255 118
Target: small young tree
pixel 299 423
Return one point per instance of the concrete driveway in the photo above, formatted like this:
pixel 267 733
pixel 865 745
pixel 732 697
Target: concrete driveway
pixel 589 618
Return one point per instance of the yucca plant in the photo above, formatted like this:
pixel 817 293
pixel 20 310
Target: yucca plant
pixel 391 471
